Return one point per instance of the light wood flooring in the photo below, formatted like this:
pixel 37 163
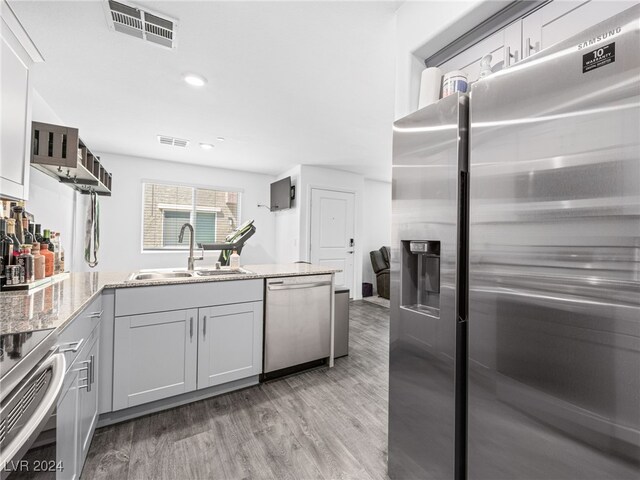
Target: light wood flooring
pixel 322 424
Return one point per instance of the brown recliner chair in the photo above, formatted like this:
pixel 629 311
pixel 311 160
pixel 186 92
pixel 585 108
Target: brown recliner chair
pixel 381 264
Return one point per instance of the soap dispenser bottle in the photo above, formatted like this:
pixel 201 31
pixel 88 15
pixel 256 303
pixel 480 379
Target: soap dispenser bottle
pixel 234 261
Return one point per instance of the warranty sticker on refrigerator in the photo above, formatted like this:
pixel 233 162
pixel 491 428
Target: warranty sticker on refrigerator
pixel 599 57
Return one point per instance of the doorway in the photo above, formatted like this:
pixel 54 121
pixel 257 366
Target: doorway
pixel 333 233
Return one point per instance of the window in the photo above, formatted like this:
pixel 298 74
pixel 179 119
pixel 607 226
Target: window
pixel 213 214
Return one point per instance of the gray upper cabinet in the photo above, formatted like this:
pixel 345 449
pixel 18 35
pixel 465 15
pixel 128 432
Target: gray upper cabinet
pixel 154 356
pixel 230 343
pixel 558 21
pixel 550 24
pixel 504 46
pixel 17 54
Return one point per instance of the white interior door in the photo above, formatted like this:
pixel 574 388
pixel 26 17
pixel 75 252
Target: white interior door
pixel 333 233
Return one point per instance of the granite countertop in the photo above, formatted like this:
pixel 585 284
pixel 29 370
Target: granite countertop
pixel 55 305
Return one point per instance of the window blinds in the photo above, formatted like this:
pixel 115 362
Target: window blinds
pixel 213 214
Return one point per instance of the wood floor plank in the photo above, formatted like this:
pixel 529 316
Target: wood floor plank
pixel 44 453
pixel 366 442
pixel 287 459
pixel 108 456
pixel 332 457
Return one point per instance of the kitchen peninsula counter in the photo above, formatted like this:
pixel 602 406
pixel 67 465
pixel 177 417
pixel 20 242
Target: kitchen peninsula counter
pixel 58 303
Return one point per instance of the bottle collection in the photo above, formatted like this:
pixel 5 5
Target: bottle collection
pixel 27 253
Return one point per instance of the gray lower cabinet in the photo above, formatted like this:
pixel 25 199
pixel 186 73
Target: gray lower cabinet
pixel 229 343
pixel 77 410
pixel 87 400
pixel 154 356
pixel 67 429
pixel 169 340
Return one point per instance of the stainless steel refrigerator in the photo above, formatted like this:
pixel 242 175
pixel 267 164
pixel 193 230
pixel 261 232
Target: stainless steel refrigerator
pixel 515 273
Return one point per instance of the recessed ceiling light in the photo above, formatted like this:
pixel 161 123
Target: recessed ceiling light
pixel 194 79
pixel 220 139
pixel 206 146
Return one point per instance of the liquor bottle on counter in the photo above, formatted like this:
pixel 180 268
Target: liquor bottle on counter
pixel 48 258
pixel 38 262
pixel 6 209
pixel 60 253
pixel 6 250
pixel 55 241
pixel 38 233
pixel 11 232
pixel 26 261
pixel 28 236
pixel 17 210
pixel 46 239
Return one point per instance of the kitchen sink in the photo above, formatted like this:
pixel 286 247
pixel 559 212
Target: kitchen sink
pixel 160 276
pixel 182 274
pixel 214 272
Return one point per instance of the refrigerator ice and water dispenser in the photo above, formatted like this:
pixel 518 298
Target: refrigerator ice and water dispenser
pixel 421 276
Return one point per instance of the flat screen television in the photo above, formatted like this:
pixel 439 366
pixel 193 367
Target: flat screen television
pixel 281 194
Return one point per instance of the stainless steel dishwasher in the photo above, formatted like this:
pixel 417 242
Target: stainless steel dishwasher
pixel 297 332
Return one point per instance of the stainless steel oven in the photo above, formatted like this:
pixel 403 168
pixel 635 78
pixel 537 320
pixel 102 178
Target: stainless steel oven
pixel 32 374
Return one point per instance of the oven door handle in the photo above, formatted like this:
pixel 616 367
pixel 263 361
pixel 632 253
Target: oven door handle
pixel 40 416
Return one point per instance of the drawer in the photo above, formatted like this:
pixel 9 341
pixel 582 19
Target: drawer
pixel 76 334
pixel 80 356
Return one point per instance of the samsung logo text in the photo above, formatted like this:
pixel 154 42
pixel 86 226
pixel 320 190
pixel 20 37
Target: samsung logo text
pixel 599 38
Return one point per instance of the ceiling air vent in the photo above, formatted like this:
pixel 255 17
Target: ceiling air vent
pixel 172 141
pixel 141 24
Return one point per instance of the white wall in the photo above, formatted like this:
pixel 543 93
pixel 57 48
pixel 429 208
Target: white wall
pixel 377 223
pixel 423 28
pixel 121 214
pixel 287 223
pixel 55 205
pixel 293 226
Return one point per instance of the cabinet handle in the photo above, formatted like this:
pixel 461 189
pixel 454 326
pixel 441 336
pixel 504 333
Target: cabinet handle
pixel 71 347
pixel 191 328
pixel 87 369
pixel 204 327
pixel 93 369
pixel 508 56
pixel 535 47
pixel 86 386
pixel 96 314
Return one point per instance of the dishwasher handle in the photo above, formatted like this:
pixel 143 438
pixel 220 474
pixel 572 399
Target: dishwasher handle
pixel 296 286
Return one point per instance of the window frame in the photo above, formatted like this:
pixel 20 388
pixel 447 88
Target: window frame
pixel 194 208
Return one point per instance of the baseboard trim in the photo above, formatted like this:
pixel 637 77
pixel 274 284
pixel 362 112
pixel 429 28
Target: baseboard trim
pixel 111 418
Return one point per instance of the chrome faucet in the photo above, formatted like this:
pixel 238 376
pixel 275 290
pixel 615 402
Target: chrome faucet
pixel 191 241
